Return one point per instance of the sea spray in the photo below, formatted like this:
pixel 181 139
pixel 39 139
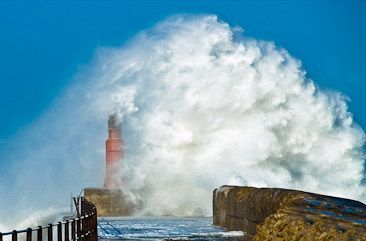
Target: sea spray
pixel 208 107
pixel 201 105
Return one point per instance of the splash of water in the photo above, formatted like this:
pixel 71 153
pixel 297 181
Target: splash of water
pixel 201 106
pixel 209 108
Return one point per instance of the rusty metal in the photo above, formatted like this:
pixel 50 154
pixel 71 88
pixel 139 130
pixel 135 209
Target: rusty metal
pixel 87 225
pixel 50 233
pixel 95 228
pixel 73 232
pixel 14 235
pixel 59 231
pixel 83 227
pixel 29 234
pixel 66 235
pixel 77 205
pixel 39 233
pixel 78 227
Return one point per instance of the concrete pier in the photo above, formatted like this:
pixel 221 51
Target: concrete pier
pixel 109 202
pixel 282 214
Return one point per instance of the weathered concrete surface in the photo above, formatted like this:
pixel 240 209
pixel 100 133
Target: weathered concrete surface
pixel 281 214
pixel 109 202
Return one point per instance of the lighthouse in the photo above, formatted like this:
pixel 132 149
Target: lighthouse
pixel 110 200
pixel 114 152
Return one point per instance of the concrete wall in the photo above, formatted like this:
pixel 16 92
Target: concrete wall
pixel 281 214
pixel 109 202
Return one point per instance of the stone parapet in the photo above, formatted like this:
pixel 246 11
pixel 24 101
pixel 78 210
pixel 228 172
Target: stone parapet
pixel 282 214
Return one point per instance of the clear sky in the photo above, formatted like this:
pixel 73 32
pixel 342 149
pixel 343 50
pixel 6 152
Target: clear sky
pixel 44 43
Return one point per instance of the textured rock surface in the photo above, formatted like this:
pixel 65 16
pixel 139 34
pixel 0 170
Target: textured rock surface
pixel 281 214
pixel 109 202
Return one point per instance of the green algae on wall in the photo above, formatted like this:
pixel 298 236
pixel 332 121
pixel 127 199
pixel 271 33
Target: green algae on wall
pixel 109 202
pixel 282 214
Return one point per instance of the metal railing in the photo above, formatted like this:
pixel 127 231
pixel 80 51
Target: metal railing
pixel 82 228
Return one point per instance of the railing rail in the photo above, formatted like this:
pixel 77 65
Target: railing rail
pixel 83 228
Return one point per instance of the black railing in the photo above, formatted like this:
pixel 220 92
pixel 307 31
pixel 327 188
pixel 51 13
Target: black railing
pixel 82 228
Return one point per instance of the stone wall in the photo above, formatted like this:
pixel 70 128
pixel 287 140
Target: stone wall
pixel 109 202
pixel 281 214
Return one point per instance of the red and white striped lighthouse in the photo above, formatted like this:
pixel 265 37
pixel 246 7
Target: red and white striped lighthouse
pixel 114 153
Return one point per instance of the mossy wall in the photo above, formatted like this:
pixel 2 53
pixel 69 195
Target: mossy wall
pixel 282 214
pixel 109 202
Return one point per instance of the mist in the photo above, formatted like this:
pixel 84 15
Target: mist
pixel 201 106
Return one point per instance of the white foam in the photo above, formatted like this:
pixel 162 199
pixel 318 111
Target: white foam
pixel 202 106
pixel 206 109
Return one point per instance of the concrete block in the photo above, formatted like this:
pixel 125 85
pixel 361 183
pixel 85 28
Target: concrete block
pixel 109 202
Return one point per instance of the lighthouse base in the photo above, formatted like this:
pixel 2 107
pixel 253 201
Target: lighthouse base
pixel 109 202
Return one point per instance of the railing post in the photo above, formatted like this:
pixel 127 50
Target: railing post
pixel 1 236
pixel 50 234
pixel 84 225
pixel 29 234
pixel 87 224
pixel 14 236
pixel 67 230
pixel 78 228
pixel 90 234
pixel 91 225
pixel 39 233
pixel 82 228
pixel 95 224
pixel 94 228
pixel 59 231
pixel 73 233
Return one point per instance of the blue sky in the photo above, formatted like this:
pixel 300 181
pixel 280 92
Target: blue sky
pixel 48 47
pixel 43 44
